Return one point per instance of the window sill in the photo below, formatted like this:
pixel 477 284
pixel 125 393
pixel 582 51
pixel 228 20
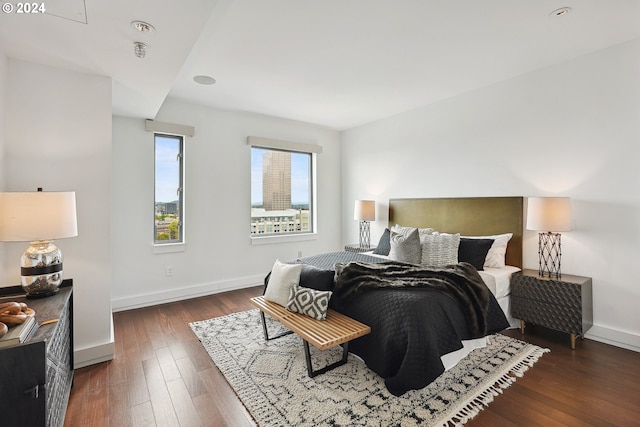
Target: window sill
pixel 168 248
pixel 268 240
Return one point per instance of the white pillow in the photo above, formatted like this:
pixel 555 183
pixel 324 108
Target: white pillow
pixel 440 249
pixel 497 251
pixel 283 277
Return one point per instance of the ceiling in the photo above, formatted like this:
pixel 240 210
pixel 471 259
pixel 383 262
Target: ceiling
pixel 335 63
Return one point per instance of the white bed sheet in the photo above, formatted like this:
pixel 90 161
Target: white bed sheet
pixel 498 279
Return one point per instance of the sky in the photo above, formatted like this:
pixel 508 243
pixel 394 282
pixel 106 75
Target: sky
pixel 167 169
pixel 299 177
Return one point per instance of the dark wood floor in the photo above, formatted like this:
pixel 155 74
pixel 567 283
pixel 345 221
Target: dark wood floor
pixel 162 376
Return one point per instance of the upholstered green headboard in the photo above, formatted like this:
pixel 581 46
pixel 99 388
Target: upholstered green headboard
pixel 469 216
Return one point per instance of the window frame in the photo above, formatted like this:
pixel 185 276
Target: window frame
pixel 285 146
pixel 175 244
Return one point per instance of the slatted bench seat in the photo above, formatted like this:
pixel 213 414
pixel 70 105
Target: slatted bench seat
pixel 323 334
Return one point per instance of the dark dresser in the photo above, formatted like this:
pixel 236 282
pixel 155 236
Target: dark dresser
pixel 564 304
pixel 36 376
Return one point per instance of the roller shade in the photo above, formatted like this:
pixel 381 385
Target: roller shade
pixel 170 128
pixel 276 144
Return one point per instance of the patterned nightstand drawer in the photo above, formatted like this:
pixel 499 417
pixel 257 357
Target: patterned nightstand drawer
pixel 558 317
pixel 563 304
pixel 560 293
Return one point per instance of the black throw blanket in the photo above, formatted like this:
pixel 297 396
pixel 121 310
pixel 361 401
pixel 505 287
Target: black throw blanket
pixel 416 316
pixel 459 281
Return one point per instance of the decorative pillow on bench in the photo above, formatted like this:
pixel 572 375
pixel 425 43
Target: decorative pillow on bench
pixel 309 302
pixel 316 278
pixel 283 277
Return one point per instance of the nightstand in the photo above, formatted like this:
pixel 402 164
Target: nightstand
pixel 564 304
pixel 356 248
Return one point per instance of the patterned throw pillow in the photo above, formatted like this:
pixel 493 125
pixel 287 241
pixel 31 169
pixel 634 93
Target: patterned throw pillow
pixel 440 249
pixel 309 302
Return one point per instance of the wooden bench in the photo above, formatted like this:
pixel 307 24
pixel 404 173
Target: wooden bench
pixel 323 334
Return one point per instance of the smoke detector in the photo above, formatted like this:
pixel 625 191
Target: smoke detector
pixel 139 49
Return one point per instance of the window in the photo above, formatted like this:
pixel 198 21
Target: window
pixel 281 192
pixel 169 190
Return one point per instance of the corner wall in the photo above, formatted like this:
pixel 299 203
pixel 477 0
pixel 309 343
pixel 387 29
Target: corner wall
pixel 219 255
pixel 4 64
pixel 4 71
pixel 567 130
pixel 58 136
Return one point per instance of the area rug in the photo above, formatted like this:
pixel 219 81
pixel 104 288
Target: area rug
pixel 271 380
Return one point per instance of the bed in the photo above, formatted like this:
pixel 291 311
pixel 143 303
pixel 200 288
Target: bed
pixel 440 314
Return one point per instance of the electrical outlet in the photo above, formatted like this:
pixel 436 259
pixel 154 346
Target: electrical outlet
pixel 169 270
pixel 299 254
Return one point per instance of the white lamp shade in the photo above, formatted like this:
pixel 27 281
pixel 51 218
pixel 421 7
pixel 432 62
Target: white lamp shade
pixel 37 215
pixel 549 214
pixel 364 210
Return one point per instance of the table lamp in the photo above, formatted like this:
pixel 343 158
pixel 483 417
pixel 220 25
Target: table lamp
pixel 549 215
pixel 365 211
pixel 39 217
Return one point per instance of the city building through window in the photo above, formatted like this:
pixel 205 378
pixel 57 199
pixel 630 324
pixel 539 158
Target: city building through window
pixel 281 192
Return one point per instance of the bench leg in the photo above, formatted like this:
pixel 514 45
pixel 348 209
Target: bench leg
pixel 307 355
pixel 266 333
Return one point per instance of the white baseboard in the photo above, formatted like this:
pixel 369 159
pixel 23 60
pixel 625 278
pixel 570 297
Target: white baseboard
pixel 615 337
pixel 179 294
pixel 95 354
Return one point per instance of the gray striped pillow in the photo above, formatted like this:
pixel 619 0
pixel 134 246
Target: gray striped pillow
pixel 440 249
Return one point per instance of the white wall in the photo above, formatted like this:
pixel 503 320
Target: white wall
pixel 4 64
pixel 569 130
pixel 4 71
pixel 58 136
pixel 218 255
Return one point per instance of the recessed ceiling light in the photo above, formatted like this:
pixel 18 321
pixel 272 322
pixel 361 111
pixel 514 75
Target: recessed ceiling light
pixel 560 12
pixel 204 80
pixel 143 27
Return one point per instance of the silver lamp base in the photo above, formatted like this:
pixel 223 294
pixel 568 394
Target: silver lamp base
pixel 365 235
pixel 41 269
